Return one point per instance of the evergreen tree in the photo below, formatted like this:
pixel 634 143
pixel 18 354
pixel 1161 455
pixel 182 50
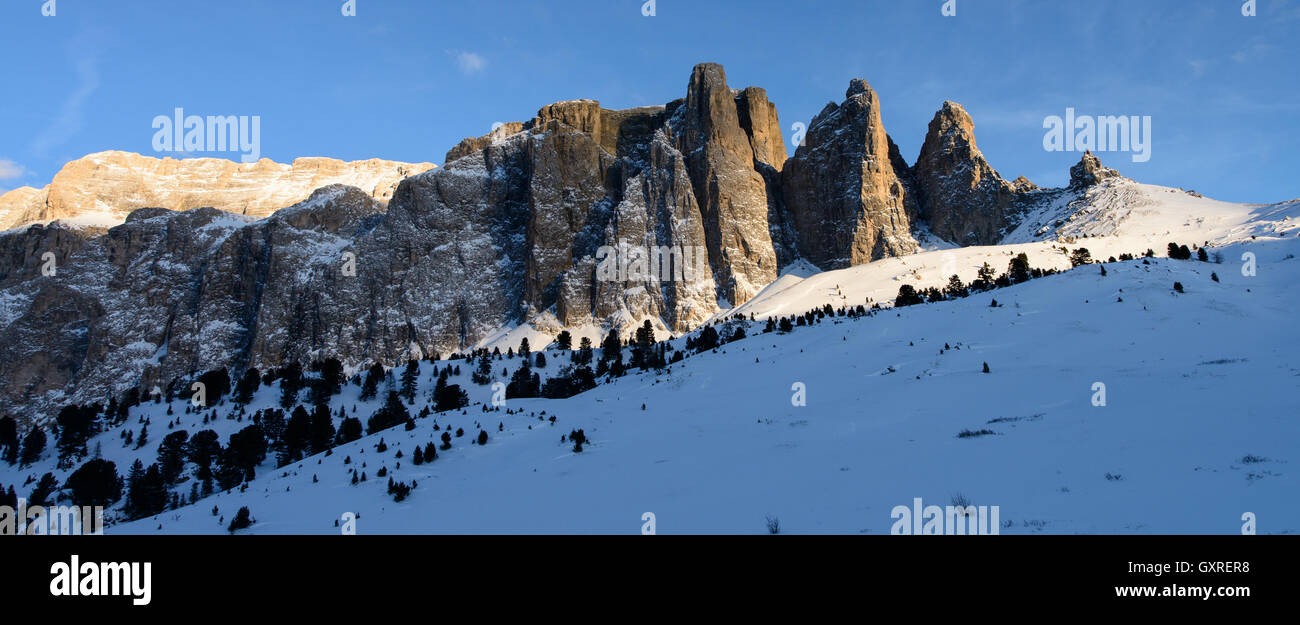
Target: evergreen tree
pixel 297 435
pixel 349 430
pixel 482 374
pixel 1179 252
pixel 707 339
pixel 171 455
pixel 1080 256
pixel 290 384
pixel 907 296
pixel 96 483
pixel 273 425
pixel 203 448
pixel 410 374
pixel 956 288
pixel 133 477
pixel 242 520
pixel 246 450
pixel 374 376
pixel 331 379
pixel 248 385
pixel 9 439
pixel 564 340
pixel 392 413
pixel 76 425
pixel 644 343
pixel 611 348
pixel 46 487
pixel 216 384
pixel 147 493
pixel 321 435
pixel 33 445
pixel 584 351
pixel 1019 270
pixel 450 398
pixel 522 383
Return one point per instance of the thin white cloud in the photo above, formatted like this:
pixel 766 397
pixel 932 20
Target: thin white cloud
pixel 10 170
pixel 470 62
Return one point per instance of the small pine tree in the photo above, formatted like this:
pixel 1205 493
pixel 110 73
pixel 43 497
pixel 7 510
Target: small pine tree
pixel 907 296
pixel 242 519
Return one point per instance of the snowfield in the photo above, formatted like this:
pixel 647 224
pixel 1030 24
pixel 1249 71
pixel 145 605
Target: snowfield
pixel 1200 423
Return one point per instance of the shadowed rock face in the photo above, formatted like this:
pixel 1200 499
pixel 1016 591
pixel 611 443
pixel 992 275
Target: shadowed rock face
pixel 962 198
pixel 845 193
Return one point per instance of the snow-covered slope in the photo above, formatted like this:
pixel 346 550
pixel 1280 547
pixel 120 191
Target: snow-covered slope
pixel 1199 424
pixel 1116 217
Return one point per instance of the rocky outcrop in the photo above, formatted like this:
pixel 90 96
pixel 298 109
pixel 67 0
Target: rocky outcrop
pixel 17 204
pixel 844 189
pixel 103 188
pixel 731 193
pixel 1089 171
pixel 962 198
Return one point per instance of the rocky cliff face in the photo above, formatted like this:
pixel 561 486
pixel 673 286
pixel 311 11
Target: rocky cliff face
pixel 962 198
pixel 554 220
pixel 580 215
pixel 845 193
pixel 106 186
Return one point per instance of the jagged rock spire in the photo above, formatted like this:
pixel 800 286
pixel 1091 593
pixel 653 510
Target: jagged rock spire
pixel 844 189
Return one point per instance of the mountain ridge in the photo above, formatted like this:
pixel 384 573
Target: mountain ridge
pixel 507 234
pixel 103 187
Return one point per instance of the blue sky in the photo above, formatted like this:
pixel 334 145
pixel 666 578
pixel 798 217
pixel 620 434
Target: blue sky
pixel 406 79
